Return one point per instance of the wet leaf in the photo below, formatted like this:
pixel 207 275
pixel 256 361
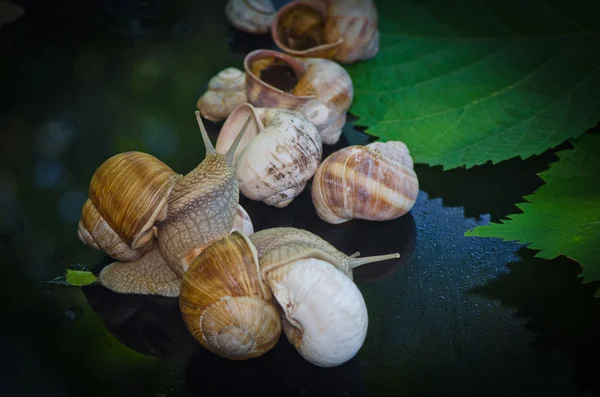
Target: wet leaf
pixel 466 82
pixel 563 216
pixel 80 278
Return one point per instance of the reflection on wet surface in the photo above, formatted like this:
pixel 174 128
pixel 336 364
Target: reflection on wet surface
pixel 449 314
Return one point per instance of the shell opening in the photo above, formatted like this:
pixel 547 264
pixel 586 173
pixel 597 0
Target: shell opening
pixel 281 71
pixel 301 28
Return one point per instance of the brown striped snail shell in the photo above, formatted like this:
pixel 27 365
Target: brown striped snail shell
pixel 280 152
pixel 127 195
pixel 343 30
pixel 250 16
pixel 373 182
pixel 320 89
pixel 225 91
pixel 324 313
pixel 225 304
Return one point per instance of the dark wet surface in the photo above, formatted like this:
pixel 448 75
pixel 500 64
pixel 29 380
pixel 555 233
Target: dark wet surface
pixel 454 313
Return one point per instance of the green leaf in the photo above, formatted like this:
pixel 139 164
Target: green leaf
pixel 80 278
pixel 563 216
pixel 464 82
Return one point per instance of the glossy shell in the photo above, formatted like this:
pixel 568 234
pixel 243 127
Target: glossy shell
pixel 279 154
pixel 342 30
pixel 225 91
pixel 243 222
pixel 250 16
pixel 128 193
pixel 224 303
pixel 323 92
pixel 373 182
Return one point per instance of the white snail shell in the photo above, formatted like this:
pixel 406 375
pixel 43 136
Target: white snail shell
pixel 279 153
pixel 373 182
pixel 251 16
pixel 225 91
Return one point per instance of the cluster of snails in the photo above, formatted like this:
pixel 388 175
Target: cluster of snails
pixel 187 236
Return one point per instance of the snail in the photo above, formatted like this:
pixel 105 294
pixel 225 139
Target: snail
pixel 225 91
pixel 250 16
pixel 320 89
pixel 324 313
pixel 343 30
pixel 224 302
pixel 280 152
pixel 373 182
pixel 154 222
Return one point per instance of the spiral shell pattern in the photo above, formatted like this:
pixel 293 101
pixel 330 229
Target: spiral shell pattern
pixel 224 303
pixel 128 193
pixel 371 182
pixel 225 91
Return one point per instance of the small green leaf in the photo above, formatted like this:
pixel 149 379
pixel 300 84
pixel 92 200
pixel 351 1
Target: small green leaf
pixel 563 216
pixel 80 278
pixel 466 82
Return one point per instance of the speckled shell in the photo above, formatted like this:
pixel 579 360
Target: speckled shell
pixel 350 29
pixel 250 16
pixel 323 93
pixel 224 303
pixel 373 182
pixel 128 193
pixel 225 91
pixel 278 155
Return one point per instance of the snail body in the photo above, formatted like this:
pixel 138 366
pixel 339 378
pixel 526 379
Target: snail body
pixel 225 304
pixel 320 89
pixel 202 206
pixel 373 182
pixel 278 155
pixel 327 326
pixel 250 16
pixel 225 91
pixel 343 30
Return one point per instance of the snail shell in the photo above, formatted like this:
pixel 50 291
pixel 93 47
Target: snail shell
pixel 373 182
pixel 250 16
pixel 225 91
pixel 320 89
pixel 343 30
pixel 128 194
pixel 224 303
pixel 278 155
pixel 325 315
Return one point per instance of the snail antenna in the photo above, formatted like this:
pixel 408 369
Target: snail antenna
pixel 231 151
pixel 207 143
pixel 355 262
